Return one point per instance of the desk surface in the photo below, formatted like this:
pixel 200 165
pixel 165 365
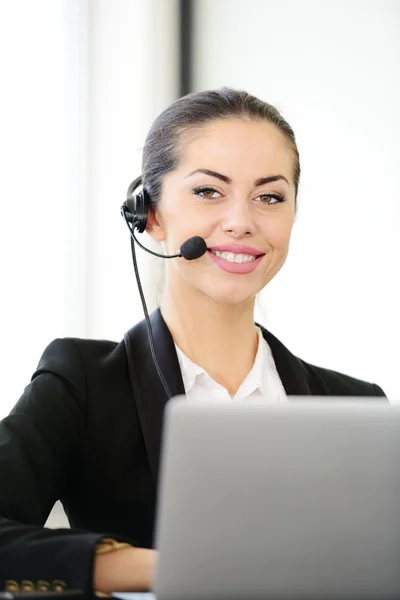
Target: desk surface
pixel 133 596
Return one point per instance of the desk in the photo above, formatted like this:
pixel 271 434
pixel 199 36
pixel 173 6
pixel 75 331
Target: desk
pixel 134 596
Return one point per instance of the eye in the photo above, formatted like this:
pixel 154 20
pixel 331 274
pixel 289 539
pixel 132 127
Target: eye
pixel 206 192
pixel 271 198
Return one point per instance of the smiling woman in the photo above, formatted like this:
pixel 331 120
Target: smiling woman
pixel 224 166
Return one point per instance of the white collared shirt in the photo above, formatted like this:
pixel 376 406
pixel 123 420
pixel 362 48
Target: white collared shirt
pixel 262 382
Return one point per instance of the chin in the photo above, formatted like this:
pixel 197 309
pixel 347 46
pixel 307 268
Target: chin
pixel 232 295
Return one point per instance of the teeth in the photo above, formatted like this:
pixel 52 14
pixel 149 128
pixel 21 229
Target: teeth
pixel 234 258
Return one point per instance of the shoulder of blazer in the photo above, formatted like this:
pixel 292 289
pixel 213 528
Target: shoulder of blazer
pixel 76 361
pixel 302 378
pixel 68 355
pixel 340 384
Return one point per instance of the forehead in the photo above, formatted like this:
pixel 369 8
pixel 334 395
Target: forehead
pixel 238 145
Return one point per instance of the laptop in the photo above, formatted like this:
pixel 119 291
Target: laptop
pixel 295 501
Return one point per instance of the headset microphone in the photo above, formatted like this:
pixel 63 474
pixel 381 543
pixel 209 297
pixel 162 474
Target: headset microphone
pixel 135 211
pixel 191 249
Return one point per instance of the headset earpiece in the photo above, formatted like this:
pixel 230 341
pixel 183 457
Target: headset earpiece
pixel 136 206
pixel 135 211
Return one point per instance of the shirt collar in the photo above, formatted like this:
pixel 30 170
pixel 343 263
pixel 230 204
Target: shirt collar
pixel 189 369
pixel 256 379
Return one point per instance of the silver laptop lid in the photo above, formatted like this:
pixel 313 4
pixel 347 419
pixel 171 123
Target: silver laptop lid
pixel 293 501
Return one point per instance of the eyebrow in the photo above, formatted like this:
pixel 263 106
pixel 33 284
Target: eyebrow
pixel 226 179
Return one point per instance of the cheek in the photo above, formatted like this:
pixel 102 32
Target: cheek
pixel 185 225
pixel 176 227
pixel 278 234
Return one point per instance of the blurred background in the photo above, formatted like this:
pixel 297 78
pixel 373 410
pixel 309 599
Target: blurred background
pixel 82 81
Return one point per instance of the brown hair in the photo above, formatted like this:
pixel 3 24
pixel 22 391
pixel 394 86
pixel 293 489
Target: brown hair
pixel 189 113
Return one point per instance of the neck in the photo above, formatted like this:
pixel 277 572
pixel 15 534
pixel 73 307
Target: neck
pixel 221 338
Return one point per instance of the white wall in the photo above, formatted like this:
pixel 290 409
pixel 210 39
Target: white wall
pixel 133 77
pixel 40 151
pixel 332 68
pixel 81 82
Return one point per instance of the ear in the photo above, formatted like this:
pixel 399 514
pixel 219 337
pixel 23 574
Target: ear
pixel 154 226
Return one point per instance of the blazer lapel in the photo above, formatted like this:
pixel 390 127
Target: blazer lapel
pixel 149 394
pixel 291 370
pixel 148 391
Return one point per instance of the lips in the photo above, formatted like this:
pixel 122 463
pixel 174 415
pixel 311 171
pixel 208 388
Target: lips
pixel 238 260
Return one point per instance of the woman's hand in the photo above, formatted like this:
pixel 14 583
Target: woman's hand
pixel 126 570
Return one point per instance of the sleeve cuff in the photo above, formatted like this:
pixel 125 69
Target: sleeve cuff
pixel 109 545
pixel 104 546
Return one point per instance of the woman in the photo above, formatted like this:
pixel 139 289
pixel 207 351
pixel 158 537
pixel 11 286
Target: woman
pixel 222 165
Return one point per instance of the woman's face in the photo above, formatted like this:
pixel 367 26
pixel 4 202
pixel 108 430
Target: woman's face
pixel 233 187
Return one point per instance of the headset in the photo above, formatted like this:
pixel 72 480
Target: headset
pixel 135 211
pixel 136 206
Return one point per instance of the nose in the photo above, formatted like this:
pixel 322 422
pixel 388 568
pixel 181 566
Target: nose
pixel 238 221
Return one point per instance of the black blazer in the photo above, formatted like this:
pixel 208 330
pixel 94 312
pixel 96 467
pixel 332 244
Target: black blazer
pixel 87 431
